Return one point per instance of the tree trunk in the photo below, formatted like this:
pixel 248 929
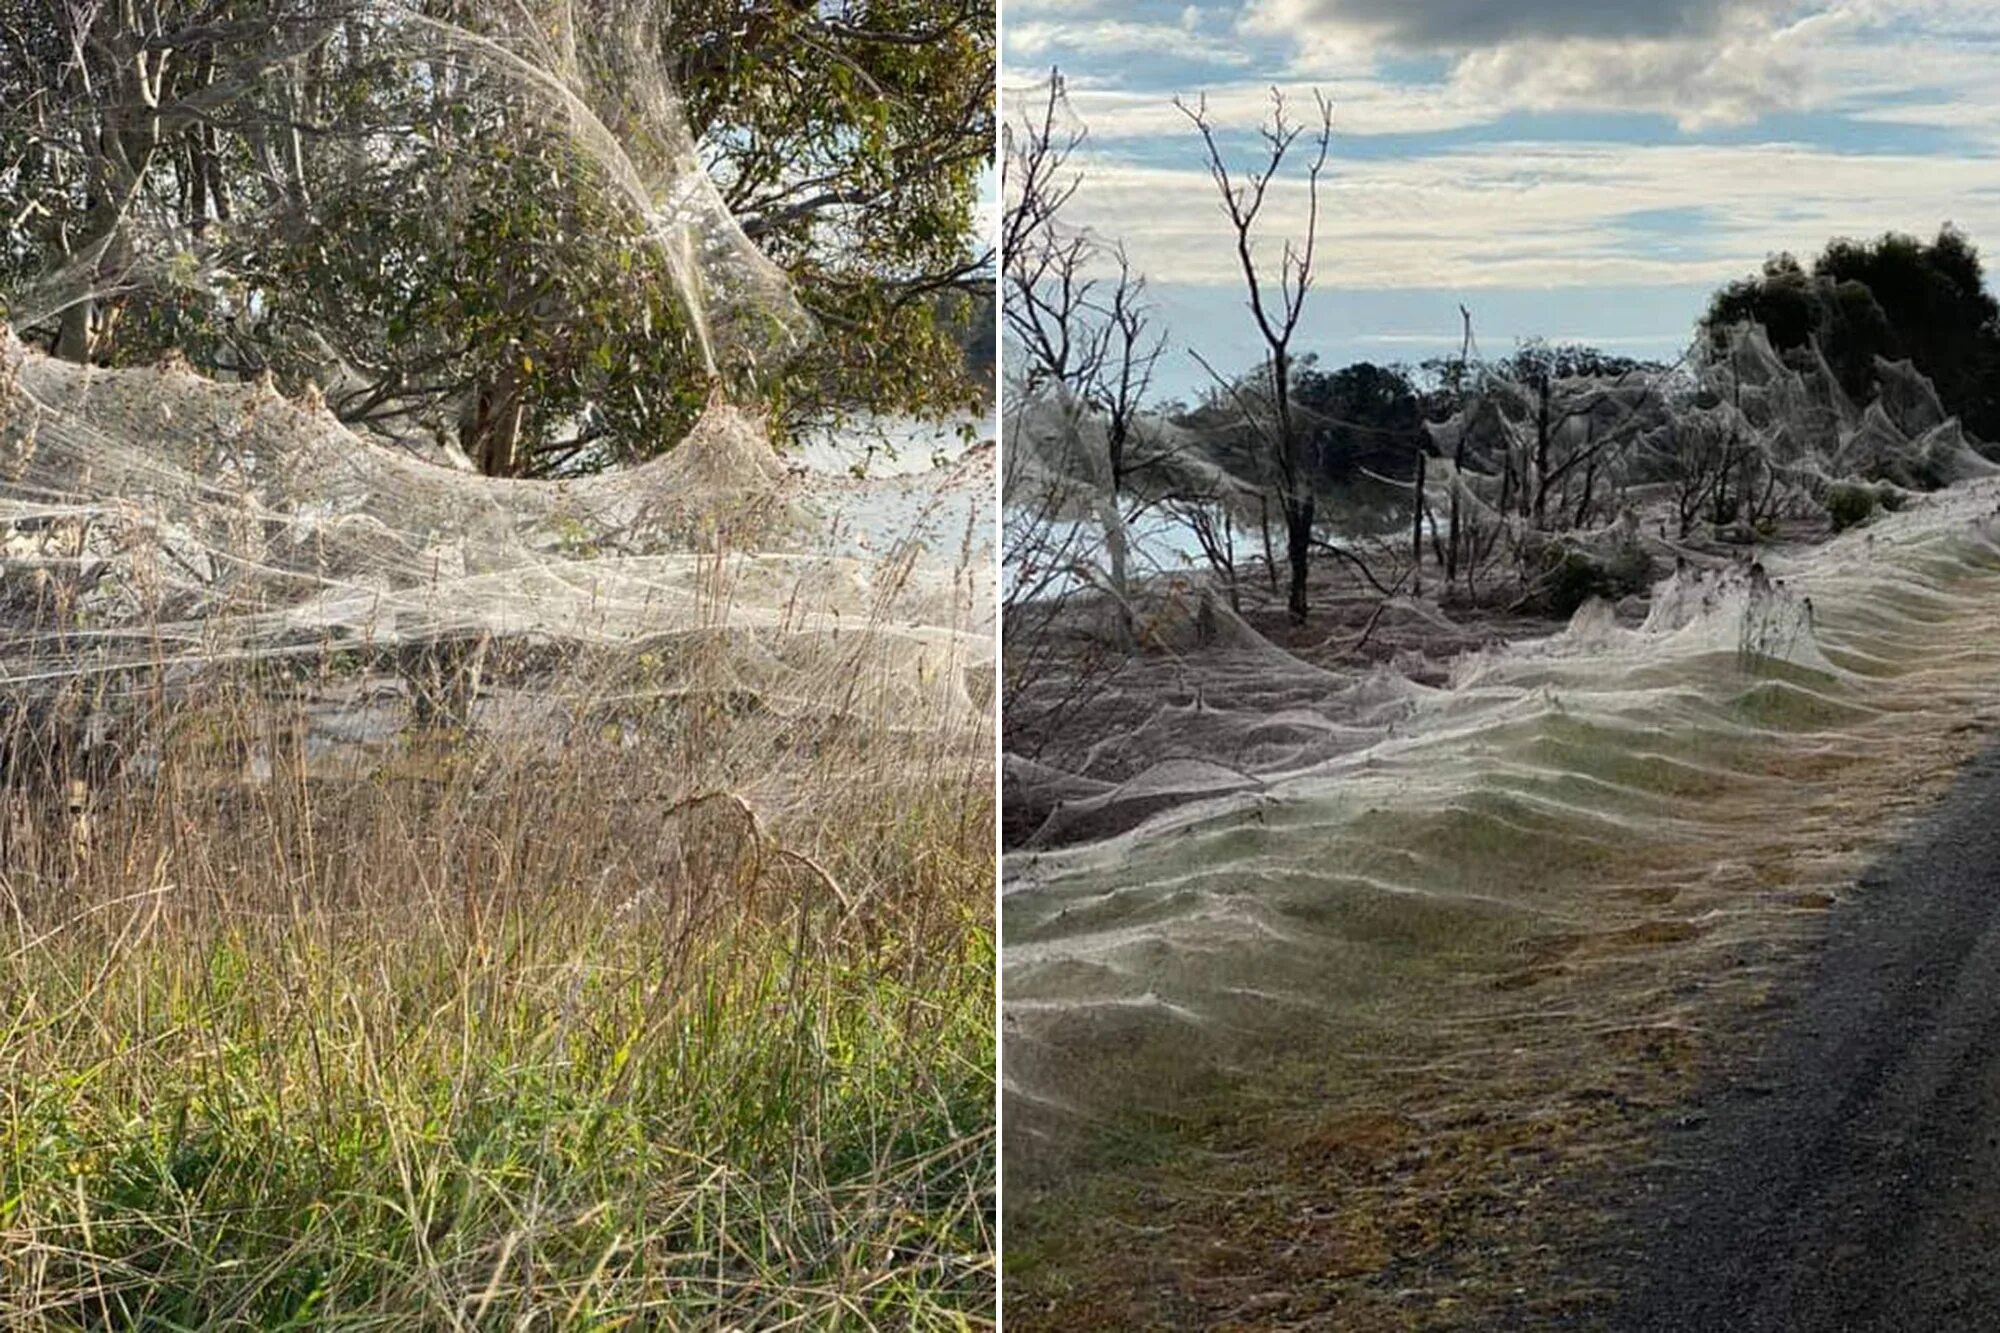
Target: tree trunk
pixel 1270 555
pixel 73 333
pixel 1229 561
pixel 1295 486
pixel 490 431
pixel 1452 539
pixel 1417 533
pixel 200 170
pixel 1540 512
pixel 1117 544
pixel 1298 547
pixel 1118 541
pixel 1589 493
pixel 120 148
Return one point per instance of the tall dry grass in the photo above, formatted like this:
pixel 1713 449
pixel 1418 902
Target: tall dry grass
pixel 678 1014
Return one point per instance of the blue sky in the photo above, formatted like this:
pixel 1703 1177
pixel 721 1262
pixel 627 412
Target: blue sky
pixel 1566 168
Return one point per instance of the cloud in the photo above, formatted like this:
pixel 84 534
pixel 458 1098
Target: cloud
pixel 1460 25
pixel 1547 215
pixel 1036 39
pixel 1362 107
pixel 1703 62
pixel 1890 120
pixel 1697 84
pixel 1016 8
pixel 1704 65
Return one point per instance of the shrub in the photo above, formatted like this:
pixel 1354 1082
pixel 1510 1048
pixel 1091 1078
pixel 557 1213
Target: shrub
pixel 1572 576
pixel 1848 505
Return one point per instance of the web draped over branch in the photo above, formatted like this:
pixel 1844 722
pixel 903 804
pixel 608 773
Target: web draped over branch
pixel 1632 437
pixel 157 526
pixel 592 79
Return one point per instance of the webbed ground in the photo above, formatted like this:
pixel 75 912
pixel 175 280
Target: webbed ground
pixel 1318 1036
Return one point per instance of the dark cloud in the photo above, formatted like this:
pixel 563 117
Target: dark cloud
pixel 1456 25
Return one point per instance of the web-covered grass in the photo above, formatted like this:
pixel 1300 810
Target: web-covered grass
pixel 1349 1045
pixel 494 1038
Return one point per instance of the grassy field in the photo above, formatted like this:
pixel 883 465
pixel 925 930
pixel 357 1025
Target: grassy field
pixel 594 1036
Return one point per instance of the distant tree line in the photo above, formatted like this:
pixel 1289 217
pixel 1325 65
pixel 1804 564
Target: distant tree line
pixel 1894 298
pixel 1897 298
pixel 1367 418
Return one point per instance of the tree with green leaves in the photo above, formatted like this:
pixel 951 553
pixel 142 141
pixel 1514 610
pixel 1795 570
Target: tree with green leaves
pixel 1895 297
pixel 368 198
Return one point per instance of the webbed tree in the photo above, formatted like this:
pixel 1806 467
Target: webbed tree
pixel 413 206
pixel 1277 301
pixel 1895 297
pixel 1079 321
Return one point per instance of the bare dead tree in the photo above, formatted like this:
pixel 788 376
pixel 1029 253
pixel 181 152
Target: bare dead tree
pixel 1046 270
pixel 1207 518
pixel 1075 307
pixel 1077 315
pixel 1047 673
pixel 1456 536
pixel 1131 352
pixel 1277 304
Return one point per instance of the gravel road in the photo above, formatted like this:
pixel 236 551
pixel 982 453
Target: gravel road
pixel 1849 1177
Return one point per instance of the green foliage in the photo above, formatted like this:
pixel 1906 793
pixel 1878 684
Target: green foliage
pixel 853 155
pixel 1895 297
pixel 416 236
pixel 1362 416
pixel 1572 576
pixel 1538 360
pixel 552 293
pixel 1849 504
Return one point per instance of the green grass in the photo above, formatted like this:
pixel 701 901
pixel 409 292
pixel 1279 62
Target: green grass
pixel 492 1051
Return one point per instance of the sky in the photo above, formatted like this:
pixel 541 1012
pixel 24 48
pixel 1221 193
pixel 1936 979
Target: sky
pixel 1568 169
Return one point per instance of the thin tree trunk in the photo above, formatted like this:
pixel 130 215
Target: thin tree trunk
pixel 119 159
pixel 490 433
pixel 1452 538
pixel 1298 543
pixel 1540 512
pixel 1270 556
pixel 1118 544
pixel 1229 563
pixel 1417 534
pixel 1458 453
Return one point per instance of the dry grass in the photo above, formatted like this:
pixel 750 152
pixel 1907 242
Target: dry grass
pixel 693 1032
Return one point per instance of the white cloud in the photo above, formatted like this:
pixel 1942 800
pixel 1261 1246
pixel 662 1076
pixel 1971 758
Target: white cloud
pixel 1533 215
pixel 1546 215
pixel 1461 25
pixel 1836 60
pixel 1118 37
pixel 1072 8
pixel 1361 107
pixel 1702 62
pixel 1433 337
pixel 1698 84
